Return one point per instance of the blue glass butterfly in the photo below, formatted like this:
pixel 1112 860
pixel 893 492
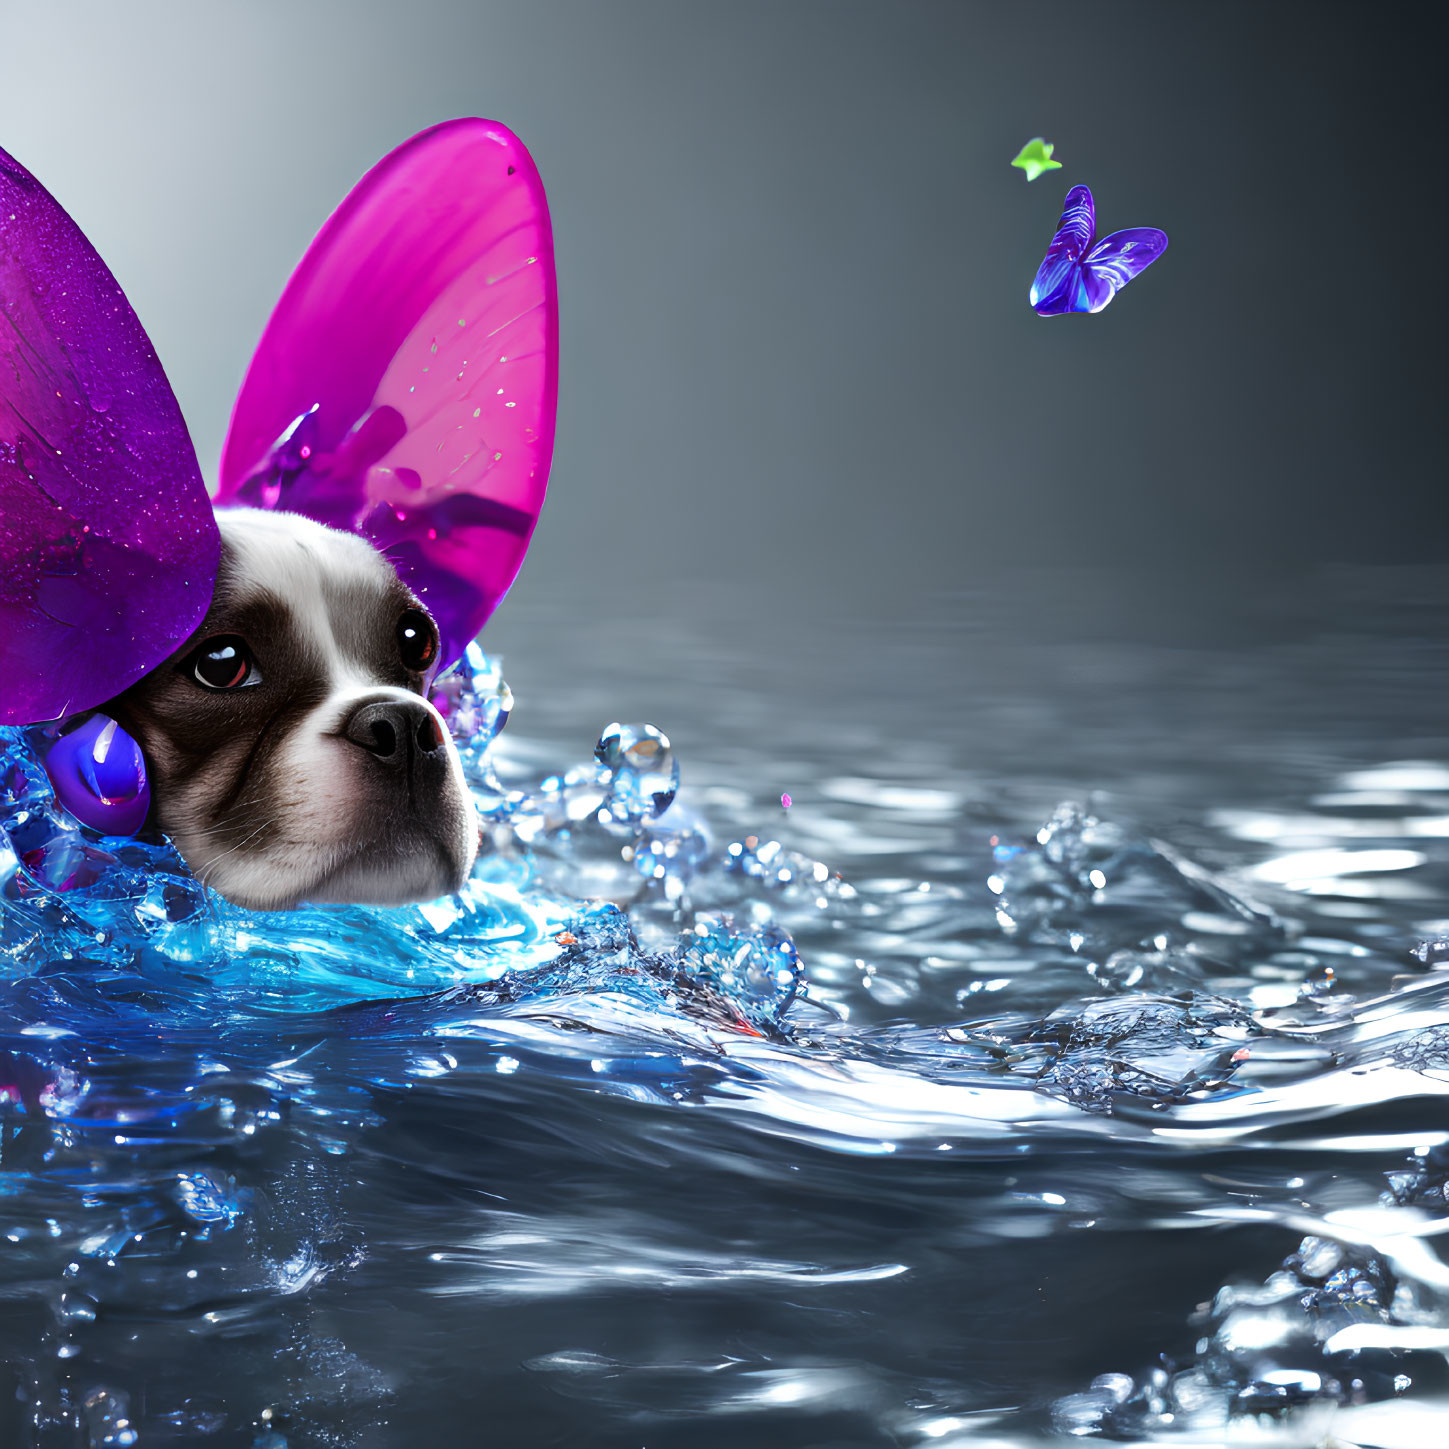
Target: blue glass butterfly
pixel 1077 275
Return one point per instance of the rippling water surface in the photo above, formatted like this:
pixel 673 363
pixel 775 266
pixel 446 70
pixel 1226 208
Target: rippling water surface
pixel 1061 1063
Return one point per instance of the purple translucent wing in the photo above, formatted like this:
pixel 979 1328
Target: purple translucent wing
pixel 406 385
pixel 1115 260
pixel 108 548
pixel 1058 279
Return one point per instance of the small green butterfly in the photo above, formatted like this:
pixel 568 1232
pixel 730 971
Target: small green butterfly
pixel 1036 157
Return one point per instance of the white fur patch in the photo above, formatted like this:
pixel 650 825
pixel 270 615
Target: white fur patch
pixel 288 555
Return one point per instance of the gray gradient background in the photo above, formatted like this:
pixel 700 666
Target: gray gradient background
pixel 797 354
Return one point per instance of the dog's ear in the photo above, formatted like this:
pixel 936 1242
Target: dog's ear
pixel 406 385
pixel 108 547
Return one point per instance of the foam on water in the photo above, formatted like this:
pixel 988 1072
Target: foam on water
pixel 637 1056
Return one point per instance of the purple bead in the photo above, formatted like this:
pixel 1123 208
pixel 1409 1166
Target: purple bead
pixel 99 774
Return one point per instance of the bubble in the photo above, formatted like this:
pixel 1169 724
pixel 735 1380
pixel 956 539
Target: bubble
pixel 1433 954
pixel 106 1414
pixel 642 772
pixel 1318 1258
pixel 72 1308
pixel 475 702
pixel 203 1199
pixel 671 855
pixel 1085 1413
pixel 756 966
pixel 758 865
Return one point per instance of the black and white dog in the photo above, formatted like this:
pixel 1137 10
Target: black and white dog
pixel 293 752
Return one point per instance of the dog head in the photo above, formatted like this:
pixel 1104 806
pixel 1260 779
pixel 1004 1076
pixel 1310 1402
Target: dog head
pixel 293 752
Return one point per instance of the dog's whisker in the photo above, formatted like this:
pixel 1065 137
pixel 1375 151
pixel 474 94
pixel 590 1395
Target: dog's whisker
pixel 215 860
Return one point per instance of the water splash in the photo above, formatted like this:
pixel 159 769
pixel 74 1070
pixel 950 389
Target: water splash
pixel 756 967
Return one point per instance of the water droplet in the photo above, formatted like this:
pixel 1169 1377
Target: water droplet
pixel 205 1200
pixel 476 701
pixel 756 966
pixel 106 1414
pixel 643 774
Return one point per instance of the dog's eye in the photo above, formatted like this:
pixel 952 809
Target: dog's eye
pixel 417 641
pixel 224 662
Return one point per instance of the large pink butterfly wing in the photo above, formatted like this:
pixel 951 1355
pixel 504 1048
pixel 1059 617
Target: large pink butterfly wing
pixel 410 371
pixel 108 548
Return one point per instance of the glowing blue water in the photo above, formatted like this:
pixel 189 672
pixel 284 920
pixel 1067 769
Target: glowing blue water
pixel 928 1113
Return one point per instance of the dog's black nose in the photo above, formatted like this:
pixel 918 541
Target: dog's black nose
pixel 395 730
